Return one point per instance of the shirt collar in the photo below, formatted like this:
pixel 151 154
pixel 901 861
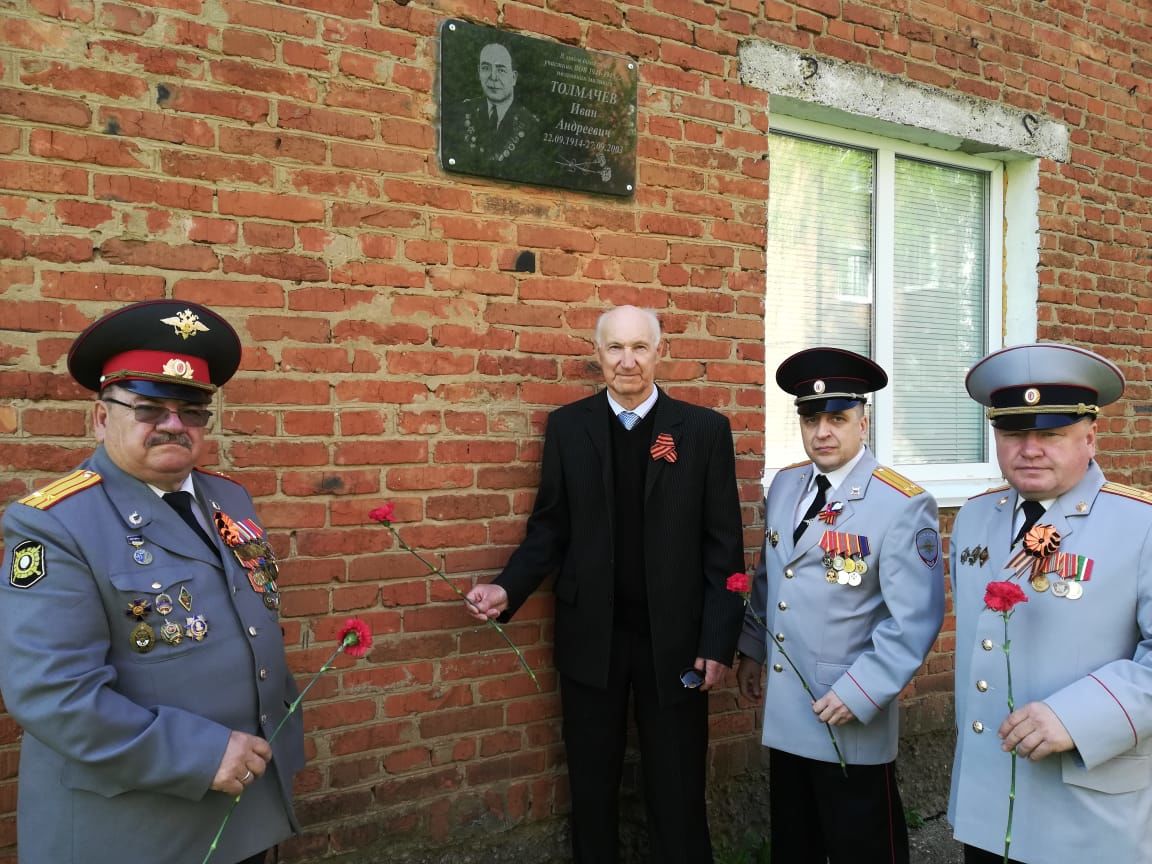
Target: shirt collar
pixel 835 478
pixel 640 410
pixel 186 486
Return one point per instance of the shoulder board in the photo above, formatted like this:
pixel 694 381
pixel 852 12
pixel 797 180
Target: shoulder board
pixel 1127 492
pixel 1003 487
pixel 800 464
pixel 58 490
pixel 218 474
pixel 897 481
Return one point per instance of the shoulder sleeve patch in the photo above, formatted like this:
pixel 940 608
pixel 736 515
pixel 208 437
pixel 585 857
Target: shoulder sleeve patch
pixel 218 474
pixel 897 481
pixel 58 490
pixel 1127 492
pixel 28 565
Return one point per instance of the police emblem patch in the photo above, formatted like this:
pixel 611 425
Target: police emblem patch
pixel 28 565
pixel 928 546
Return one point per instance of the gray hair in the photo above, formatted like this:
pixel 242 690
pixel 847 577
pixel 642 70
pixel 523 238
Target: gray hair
pixel 647 313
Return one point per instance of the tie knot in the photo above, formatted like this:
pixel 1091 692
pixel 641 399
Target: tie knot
pixel 1033 510
pixel 823 483
pixel 179 500
pixel 629 418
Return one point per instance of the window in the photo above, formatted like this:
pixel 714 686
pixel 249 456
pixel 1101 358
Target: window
pixel 896 251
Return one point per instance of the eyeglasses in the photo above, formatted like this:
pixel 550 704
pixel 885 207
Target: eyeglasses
pixel 153 415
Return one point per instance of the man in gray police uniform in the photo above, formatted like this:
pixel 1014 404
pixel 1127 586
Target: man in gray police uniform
pixel 142 651
pixel 851 587
pixel 1080 548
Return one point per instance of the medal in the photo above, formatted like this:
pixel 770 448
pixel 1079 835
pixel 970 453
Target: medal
pixel 773 537
pixel 1039 583
pixel 197 628
pixel 185 599
pixel 170 632
pixel 861 566
pixel 272 600
pixel 1075 590
pixel 138 608
pixel 163 604
pixel 849 565
pixel 964 555
pixel 1060 589
pixel 830 575
pixel 143 639
pixel 854 580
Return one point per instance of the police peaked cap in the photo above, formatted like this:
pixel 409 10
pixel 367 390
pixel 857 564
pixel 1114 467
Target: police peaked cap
pixel 829 379
pixel 1043 385
pixel 166 349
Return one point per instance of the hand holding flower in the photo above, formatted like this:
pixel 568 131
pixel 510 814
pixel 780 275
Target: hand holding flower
pixel 484 602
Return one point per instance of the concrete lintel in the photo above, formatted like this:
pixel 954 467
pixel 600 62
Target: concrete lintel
pixel 832 91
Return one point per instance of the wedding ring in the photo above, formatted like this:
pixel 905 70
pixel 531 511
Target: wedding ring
pixel 247 776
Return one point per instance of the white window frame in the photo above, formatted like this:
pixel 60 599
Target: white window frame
pixel 1012 257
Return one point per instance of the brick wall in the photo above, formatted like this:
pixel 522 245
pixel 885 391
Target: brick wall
pixel 277 161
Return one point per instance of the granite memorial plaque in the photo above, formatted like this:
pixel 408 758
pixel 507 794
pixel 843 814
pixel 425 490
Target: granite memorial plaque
pixel 533 111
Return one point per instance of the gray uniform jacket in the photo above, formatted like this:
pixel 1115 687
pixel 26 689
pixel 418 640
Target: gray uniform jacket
pixel 865 642
pixel 120 747
pixel 1087 658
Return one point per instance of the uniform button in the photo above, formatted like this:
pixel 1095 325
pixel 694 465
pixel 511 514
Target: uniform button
pixel 263 719
pixel 156 586
pixel 986 644
pixel 982 686
pixel 779 637
pixel 977 726
pixel 782 606
pixel 776 667
pixel 233 589
pixel 788 574
pixel 263 674
pixel 251 631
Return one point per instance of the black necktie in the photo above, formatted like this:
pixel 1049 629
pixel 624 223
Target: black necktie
pixel 1033 510
pixel 181 502
pixel 493 119
pixel 822 484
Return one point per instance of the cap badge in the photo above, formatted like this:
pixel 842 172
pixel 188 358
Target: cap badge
pixel 187 323
pixel 1031 396
pixel 177 368
pixel 818 387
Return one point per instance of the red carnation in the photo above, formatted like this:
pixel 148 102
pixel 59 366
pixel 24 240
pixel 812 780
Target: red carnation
pixel 355 637
pixel 739 583
pixel 1003 596
pixel 383 514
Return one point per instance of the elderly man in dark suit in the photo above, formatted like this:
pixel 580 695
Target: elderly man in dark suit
pixel 637 513
pixel 139 624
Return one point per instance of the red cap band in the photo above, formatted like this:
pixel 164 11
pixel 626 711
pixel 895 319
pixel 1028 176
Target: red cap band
pixel 157 366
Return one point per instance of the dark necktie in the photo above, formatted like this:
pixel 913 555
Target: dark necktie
pixel 1033 510
pixel 822 484
pixel 493 119
pixel 628 418
pixel 181 502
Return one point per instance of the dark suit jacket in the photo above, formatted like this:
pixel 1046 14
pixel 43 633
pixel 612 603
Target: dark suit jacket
pixel 692 541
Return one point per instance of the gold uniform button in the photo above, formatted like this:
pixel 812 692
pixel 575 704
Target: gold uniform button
pixel 782 606
pixel 982 686
pixel 977 726
pixel 776 667
pixel 788 574
pixel 986 644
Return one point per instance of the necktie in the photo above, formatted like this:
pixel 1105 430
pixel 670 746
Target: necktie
pixel 181 502
pixel 1033 510
pixel 628 418
pixel 822 484
pixel 493 119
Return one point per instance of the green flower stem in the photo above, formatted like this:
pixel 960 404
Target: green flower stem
pixel 804 684
pixel 1007 646
pixel 349 639
pixel 432 568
